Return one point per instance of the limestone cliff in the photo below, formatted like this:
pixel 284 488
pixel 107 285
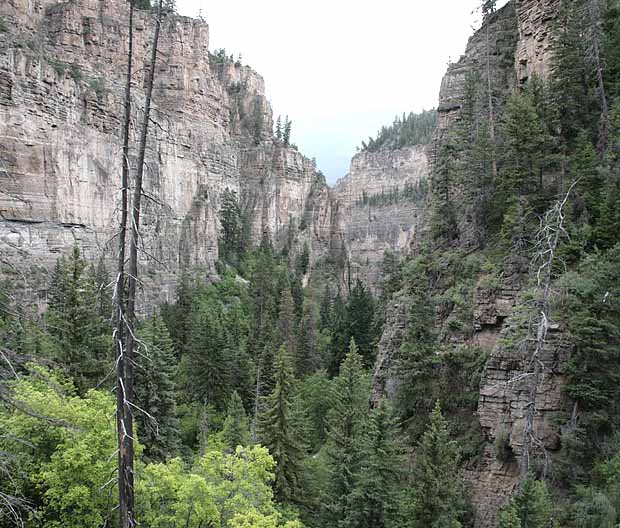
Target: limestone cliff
pixel 61 87
pixel 381 200
pixel 513 44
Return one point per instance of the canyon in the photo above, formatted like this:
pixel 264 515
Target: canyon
pixel 61 103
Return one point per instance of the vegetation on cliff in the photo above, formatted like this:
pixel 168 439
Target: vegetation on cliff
pixel 253 402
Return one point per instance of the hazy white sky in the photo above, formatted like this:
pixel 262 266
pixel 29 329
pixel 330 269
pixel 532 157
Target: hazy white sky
pixel 341 68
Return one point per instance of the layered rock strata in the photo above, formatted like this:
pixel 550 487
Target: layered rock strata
pixel 62 70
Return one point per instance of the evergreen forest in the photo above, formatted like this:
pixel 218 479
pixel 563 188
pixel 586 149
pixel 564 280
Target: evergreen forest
pixel 259 399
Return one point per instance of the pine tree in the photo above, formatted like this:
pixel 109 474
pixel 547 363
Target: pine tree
pixel 530 508
pixel 236 430
pixel 155 390
pixel 82 334
pixel 278 431
pixel 375 501
pixel 279 128
pixel 438 487
pixel 361 321
pixel 208 361
pixel 308 359
pixel 345 429
pixel 287 323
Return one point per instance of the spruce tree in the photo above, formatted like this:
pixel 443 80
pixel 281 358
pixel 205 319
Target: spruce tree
pixel 82 335
pixel 308 359
pixel 438 487
pixel 418 352
pixel 232 228
pixel 279 128
pixel 345 428
pixel 208 362
pixel 376 499
pixel 361 322
pixel 236 430
pixel 278 431
pixel 286 133
pixel 155 390
pixel 530 508
pixel 287 323
pixel 339 334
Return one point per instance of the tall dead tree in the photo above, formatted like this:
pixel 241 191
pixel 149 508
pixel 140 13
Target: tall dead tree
pixel 123 412
pixel 126 306
pixel 594 51
pixel 549 236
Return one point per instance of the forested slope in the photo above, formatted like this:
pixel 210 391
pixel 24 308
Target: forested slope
pixel 475 382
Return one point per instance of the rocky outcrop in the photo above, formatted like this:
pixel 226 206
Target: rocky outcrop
pixel 490 54
pixel 381 201
pixel 61 102
pixel 513 44
pixel 535 47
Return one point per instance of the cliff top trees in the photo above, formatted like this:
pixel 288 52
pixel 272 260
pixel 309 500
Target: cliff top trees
pixel 410 130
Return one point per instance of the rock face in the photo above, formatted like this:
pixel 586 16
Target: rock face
pixel 381 201
pixel 513 44
pixel 62 70
pixel 534 50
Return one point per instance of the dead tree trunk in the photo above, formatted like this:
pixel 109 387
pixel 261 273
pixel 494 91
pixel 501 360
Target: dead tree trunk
pixel 549 236
pixel 126 448
pixel 123 413
pixel 594 16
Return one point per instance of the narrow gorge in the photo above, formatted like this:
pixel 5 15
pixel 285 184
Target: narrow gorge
pixel 444 236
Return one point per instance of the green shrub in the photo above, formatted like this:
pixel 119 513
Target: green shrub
pixel 4 28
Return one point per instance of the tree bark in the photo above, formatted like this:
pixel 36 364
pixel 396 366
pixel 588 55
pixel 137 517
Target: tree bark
pixel 123 413
pixel 127 449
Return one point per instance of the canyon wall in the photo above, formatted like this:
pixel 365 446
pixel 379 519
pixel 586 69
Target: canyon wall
pixel 382 203
pixel 513 44
pixel 62 67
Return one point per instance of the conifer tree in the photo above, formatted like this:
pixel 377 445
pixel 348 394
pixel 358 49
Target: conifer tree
pixel 155 391
pixel 73 319
pixel 286 133
pixel 361 321
pixel 530 508
pixel 339 334
pixel 232 227
pixel 308 359
pixel 443 225
pixel 287 323
pixel 345 429
pixel 208 362
pixel 279 128
pixel 418 352
pixel 375 501
pixel 438 487
pixel 278 431
pixel 236 430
